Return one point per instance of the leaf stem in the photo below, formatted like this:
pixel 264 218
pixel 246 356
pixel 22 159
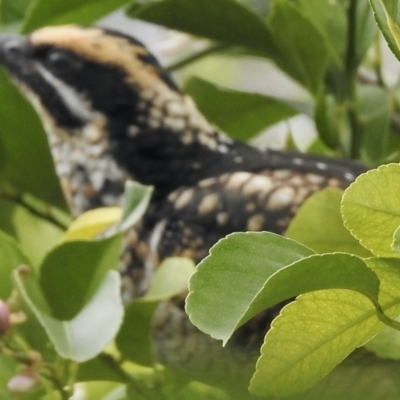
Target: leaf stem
pixel 351 63
pixel 57 385
pixel 377 60
pixel 386 320
pixel 113 364
pixel 37 207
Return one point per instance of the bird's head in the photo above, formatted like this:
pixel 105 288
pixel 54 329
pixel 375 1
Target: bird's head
pixel 104 93
pixel 76 75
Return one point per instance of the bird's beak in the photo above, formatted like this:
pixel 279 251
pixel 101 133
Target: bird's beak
pixel 13 49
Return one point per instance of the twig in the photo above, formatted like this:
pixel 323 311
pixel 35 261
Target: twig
pixel 37 207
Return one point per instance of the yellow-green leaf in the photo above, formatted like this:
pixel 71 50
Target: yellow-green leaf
pixel 315 333
pixel 371 210
pixel 88 225
pixel 318 225
pixel 171 278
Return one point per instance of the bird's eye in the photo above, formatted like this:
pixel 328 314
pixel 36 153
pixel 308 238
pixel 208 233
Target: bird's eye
pixel 61 61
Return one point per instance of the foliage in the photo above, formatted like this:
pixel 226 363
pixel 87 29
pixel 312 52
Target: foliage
pixel 326 323
pixel 347 275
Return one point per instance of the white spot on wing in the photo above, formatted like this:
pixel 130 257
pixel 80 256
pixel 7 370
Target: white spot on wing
pixel 281 198
pixel 257 184
pixel 184 199
pixel 298 161
pixel 208 203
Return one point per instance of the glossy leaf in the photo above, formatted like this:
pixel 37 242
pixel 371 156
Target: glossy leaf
pixel 388 19
pixel 171 278
pixel 318 147
pixel 359 377
pixel 386 344
pixel 105 391
pixel 317 331
pixel 223 20
pixel 134 339
pixel 366 29
pixel 84 336
pixel 72 272
pixel 227 281
pixel 396 240
pixel 318 225
pixel 317 272
pixel 242 115
pixel 88 225
pixel 301 43
pixel 371 211
pixel 100 368
pixel 25 159
pixel 329 17
pixel 84 12
pixel 374 113
pixel 35 235
pixel 12 11
pixel 325 116
pixel 93 222
pixel 136 200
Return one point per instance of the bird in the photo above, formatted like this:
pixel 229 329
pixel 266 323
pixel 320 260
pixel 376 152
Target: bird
pixel 112 113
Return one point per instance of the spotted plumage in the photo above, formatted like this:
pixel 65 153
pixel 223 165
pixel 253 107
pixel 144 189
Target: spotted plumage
pixel 112 113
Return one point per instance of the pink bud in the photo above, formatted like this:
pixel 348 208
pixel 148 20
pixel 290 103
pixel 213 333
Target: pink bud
pixel 4 318
pixel 22 383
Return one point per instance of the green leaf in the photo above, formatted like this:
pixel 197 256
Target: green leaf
pixel 136 200
pixel 396 240
pixel 371 211
pixel 301 43
pixel 386 344
pixel 100 368
pixel 171 278
pixel 366 29
pixel 226 282
pixel 84 12
pixel 25 158
pixel 12 11
pixel 317 146
pixel 72 272
pixel 387 16
pixel 83 337
pixel 11 257
pixel 198 391
pixel 325 116
pixel 374 112
pixel 105 391
pixel 317 272
pixel 317 331
pixel 329 18
pixel 35 235
pixel 92 223
pixel 360 377
pixel 134 339
pixel 224 20
pixel 318 225
pixel 242 115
